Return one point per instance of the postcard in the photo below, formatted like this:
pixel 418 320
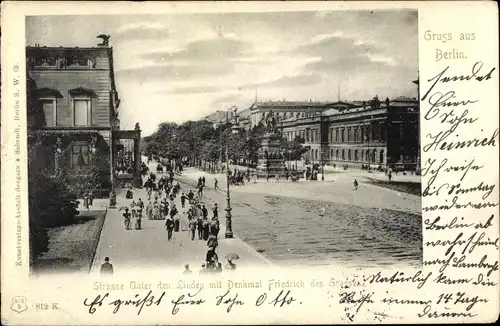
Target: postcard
pixel 207 163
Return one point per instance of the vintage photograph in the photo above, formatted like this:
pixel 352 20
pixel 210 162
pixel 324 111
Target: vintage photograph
pixel 214 142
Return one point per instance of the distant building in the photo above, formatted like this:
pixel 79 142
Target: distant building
pixel 74 110
pixel 356 133
pixel 284 110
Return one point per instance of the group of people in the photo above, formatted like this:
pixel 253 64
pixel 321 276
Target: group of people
pixel 136 209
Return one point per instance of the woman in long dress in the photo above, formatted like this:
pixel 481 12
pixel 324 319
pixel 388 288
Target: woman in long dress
pixel 156 210
pixel 149 211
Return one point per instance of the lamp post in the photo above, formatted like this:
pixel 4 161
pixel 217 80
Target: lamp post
pixel 322 167
pixel 229 228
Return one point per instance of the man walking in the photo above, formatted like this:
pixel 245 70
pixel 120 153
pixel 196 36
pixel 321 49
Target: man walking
pixel 192 227
pixel 216 184
pixel 355 184
pixel 106 268
pixel 170 228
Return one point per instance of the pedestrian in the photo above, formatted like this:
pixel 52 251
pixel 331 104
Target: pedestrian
pixel 156 210
pixel 127 215
pixel 199 227
pixel 204 211
pixel 106 268
pixel 200 191
pixel 91 198
pixel 138 219
pixel 206 229
pixel 211 258
pixel 203 270
pixel 183 199
pixel 175 218
pixel 230 265
pixel 216 184
pixel 214 227
pixel 192 228
pixel 389 175
pixel 169 223
pixel 355 184
pixel 190 195
pixel 187 271
pixel 277 178
pixel 215 211
pixel 149 210
pixel 203 181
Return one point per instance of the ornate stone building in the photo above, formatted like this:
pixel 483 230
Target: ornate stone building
pixel 284 110
pixel 355 134
pixel 75 103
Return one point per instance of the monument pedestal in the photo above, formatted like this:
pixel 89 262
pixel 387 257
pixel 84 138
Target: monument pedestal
pixel 271 160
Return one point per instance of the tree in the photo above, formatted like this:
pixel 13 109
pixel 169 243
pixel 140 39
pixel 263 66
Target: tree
pixel 295 148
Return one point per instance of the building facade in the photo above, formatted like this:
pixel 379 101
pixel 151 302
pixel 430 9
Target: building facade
pixel 76 104
pixel 359 134
pixel 284 110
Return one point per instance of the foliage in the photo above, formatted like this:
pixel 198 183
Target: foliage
pixel 295 148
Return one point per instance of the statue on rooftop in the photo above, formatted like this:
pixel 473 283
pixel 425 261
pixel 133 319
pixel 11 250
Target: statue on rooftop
pixel 105 39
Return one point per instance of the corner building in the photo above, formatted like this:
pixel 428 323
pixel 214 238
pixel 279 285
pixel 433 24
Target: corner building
pixel 77 110
pixel 354 134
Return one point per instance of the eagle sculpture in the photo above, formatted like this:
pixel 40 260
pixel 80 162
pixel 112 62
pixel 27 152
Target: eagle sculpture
pixel 105 39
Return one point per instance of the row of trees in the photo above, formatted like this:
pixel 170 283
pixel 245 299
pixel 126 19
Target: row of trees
pixel 204 141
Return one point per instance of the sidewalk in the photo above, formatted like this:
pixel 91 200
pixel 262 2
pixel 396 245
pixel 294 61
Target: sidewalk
pixel 148 247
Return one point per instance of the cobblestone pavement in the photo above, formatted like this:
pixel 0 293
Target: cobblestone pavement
pixel 355 228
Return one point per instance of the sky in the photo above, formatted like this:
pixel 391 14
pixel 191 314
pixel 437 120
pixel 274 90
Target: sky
pixel 180 67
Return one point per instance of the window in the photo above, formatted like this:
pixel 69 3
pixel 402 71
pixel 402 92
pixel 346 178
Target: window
pixel 81 99
pixel 342 134
pixel 356 155
pixel 381 157
pixel 316 133
pixel 307 135
pixel 343 155
pixel 349 155
pixel 81 110
pixel 337 154
pixel 331 153
pixel 79 157
pixel 349 134
pixel 331 134
pixel 50 111
pixel 337 135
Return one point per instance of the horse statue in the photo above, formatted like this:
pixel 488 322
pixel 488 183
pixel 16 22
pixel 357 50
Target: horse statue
pixel 270 122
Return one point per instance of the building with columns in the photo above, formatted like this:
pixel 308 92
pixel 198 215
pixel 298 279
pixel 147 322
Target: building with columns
pixel 354 134
pixel 74 112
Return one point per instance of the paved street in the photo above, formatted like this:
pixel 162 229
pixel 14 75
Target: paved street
pixel 138 249
pixel 337 188
pixel 314 222
pixel 304 223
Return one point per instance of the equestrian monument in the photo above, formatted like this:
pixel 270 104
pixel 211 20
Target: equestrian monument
pixel 270 160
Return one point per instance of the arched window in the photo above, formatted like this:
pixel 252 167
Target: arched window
pixel 367 156
pixel 374 155
pixel 337 154
pixel 331 153
pixel 349 155
pixel 343 155
pixel 355 154
pixel 381 160
pixel 362 155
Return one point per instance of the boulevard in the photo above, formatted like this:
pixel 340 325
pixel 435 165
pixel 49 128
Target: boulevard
pixel 285 224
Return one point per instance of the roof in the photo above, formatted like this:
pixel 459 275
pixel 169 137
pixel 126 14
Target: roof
pixel 290 104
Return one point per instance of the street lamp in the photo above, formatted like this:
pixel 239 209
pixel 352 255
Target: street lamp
pixel 229 228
